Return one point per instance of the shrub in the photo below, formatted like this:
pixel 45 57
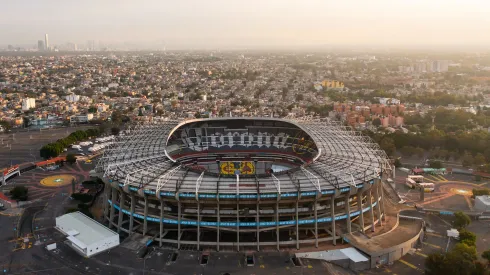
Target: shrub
pixel 82 197
pixel 19 193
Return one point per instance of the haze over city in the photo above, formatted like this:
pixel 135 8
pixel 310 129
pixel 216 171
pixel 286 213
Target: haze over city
pixel 239 24
pixel 245 137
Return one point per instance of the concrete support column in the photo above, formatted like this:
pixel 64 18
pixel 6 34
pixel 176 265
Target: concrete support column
pixel 121 207
pixel 107 206
pixel 361 215
pixel 238 226
pixel 297 227
pixel 217 231
pixel 347 210
pixel 257 220
pixel 198 224
pixel 378 205
pixel 332 213
pixel 131 217
pixel 382 201
pixel 161 221
pixel 113 209
pixel 145 222
pixel 178 224
pixel 316 223
pixel 371 210
pixel 277 225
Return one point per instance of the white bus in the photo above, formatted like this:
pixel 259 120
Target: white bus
pixel 410 183
pixel 416 178
pixel 427 186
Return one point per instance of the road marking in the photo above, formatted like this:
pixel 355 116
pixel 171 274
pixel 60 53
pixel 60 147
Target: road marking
pixel 441 177
pixel 434 234
pixel 425 178
pixel 437 199
pixel 433 245
pixel 421 254
pixel 484 183
pixel 433 177
pixel 310 266
pixel 467 199
pixel 409 264
pixel 262 266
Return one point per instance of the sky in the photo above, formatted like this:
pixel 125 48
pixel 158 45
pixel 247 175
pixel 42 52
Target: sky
pixel 247 23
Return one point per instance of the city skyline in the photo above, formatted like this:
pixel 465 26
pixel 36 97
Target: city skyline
pixel 274 23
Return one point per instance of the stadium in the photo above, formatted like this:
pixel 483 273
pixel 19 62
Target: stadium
pixel 243 183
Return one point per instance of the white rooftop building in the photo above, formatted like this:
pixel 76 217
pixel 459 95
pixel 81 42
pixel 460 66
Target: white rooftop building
pixel 482 203
pixel 85 235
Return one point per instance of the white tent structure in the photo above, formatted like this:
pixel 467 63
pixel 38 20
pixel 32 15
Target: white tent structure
pixel 85 235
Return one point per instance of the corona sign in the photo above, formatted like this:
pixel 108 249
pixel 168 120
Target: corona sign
pixel 240 168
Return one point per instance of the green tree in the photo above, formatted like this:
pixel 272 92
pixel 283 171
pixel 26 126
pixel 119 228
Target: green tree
pixel 479 160
pixel 407 151
pixel 19 193
pixel 115 131
pixel 71 158
pixel 467 237
pixel 388 145
pixel 480 192
pixel 436 264
pixel 435 164
pixel 486 255
pixel 5 125
pixel 461 220
pixel 376 122
pixel 467 160
pixel 116 117
pixel 462 259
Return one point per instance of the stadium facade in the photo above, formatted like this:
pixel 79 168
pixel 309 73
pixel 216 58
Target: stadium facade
pixel 243 183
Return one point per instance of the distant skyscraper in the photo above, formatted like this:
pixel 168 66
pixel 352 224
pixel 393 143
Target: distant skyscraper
pixel 40 45
pixel 46 42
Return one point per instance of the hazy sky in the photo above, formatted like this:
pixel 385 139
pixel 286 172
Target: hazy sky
pixel 209 23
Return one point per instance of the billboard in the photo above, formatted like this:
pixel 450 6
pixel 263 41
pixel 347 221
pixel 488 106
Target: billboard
pixel 237 168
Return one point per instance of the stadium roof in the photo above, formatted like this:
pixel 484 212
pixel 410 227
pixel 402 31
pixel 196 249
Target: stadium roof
pixel 344 158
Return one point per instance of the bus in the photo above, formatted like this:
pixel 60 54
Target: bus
pixel 427 186
pixel 416 178
pixel 410 183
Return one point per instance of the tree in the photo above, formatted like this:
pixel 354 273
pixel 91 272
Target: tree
pixel 467 237
pixel 73 184
pixel 92 109
pixel 480 192
pixel 398 163
pixel 435 264
pixel 377 122
pixel 115 131
pixel 462 259
pixel 26 121
pixel 461 220
pixel 486 255
pixel 5 125
pixel 388 145
pixel 19 193
pixel 467 160
pixel 407 151
pixel 116 117
pixel 435 164
pixel 479 160
pixel 71 158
